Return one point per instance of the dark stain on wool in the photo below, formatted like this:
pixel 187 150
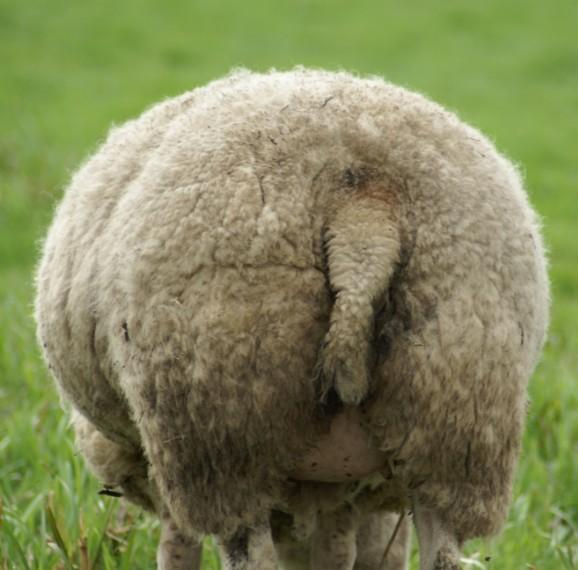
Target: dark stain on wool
pixel 125 332
pixel 109 492
pixel 468 459
pixel 150 395
pixel 237 546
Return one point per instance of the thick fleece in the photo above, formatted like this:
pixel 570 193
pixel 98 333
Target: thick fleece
pixel 238 255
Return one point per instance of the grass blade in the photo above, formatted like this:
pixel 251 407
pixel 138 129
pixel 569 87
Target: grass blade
pixel 98 552
pixel 56 534
pixel 19 550
pixel 84 560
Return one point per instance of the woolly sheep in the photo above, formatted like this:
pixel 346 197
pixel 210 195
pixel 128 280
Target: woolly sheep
pixel 253 277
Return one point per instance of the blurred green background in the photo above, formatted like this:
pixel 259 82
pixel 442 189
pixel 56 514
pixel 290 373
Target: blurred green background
pixel 70 69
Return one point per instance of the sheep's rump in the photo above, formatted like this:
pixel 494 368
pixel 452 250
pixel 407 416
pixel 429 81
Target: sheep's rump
pixel 183 293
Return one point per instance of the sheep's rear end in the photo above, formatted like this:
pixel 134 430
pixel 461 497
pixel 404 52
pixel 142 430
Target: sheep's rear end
pixel 237 265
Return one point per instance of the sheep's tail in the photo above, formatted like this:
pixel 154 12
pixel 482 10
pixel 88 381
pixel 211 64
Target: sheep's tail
pixel 224 414
pixel 363 251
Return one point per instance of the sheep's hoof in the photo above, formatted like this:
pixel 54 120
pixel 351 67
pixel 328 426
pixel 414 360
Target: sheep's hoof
pixel 346 374
pixel 446 559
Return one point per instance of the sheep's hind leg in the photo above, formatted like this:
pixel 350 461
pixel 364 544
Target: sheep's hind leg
pixel 249 549
pixel 373 535
pixel 292 548
pixel 294 555
pixel 333 543
pixel 177 551
pixel 438 545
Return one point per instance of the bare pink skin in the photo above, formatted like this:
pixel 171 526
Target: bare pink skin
pixel 343 454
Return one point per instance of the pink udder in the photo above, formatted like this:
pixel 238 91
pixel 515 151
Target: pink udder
pixel 343 454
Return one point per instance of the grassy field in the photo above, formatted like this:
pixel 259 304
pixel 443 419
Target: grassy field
pixel 68 70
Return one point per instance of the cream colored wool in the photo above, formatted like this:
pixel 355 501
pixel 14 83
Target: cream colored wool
pixel 239 254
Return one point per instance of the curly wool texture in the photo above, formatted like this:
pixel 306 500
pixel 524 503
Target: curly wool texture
pixel 212 250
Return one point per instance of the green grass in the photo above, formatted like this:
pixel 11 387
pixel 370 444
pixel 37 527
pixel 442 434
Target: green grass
pixel 70 69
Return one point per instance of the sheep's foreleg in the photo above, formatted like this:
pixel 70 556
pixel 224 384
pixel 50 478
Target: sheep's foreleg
pixel 438 545
pixel 249 549
pixel 293 554
pixel 177 551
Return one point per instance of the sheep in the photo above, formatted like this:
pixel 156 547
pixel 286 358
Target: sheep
pixel 258 275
